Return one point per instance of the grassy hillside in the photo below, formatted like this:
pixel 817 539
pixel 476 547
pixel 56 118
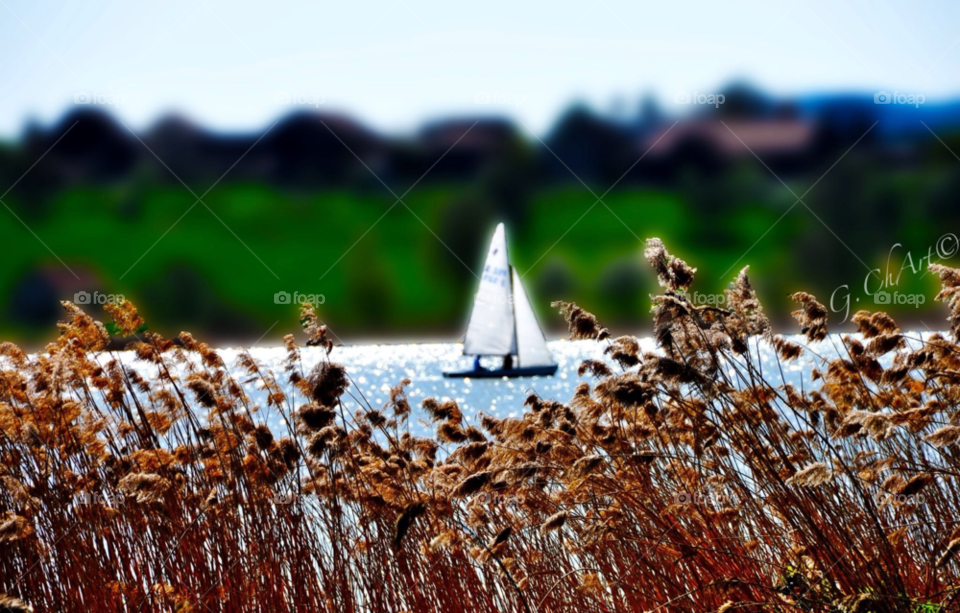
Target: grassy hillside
pixel 396 278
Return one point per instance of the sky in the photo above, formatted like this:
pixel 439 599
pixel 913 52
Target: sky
pixel 238 65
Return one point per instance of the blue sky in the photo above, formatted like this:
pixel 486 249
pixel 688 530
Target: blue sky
pixel 238 65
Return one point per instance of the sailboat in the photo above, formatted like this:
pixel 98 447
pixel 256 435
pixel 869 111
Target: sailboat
pixel 502 322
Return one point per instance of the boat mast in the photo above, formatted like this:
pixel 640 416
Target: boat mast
pixel 513 309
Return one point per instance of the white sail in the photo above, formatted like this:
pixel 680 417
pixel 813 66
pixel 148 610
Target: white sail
pixel 531 346
pixel 491 328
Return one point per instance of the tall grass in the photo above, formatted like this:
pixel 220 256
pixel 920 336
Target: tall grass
pixel 690 479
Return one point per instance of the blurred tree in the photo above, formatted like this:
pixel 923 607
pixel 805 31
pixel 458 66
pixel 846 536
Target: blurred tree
pixel 651 114
pixel 34 301
pixel 743 100
pixel 622 283
pixel 598 151
pixel 507 181
pixel 466 227
pixel 181 298
pixel 554 281
pixel 941 199
pixel 372 295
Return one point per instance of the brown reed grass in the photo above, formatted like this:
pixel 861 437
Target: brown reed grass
pixel 688 479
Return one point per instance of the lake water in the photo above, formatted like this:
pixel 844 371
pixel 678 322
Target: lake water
pixel 374 369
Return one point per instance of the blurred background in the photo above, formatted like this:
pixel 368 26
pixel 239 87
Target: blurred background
pixel 199 158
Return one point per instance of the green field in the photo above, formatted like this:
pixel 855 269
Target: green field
pixel 398 279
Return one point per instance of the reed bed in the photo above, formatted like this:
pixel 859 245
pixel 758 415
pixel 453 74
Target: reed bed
pixel 682 480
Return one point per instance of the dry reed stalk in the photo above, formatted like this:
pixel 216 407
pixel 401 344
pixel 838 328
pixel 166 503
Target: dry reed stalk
pixel 690 479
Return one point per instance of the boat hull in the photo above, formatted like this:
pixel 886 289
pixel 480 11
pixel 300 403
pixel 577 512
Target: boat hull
pixel 496 373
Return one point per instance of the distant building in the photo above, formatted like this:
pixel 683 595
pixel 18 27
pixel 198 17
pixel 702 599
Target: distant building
pixel 710 144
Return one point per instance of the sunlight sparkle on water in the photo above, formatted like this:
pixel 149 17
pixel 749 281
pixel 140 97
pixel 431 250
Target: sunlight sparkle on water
pixel 375 369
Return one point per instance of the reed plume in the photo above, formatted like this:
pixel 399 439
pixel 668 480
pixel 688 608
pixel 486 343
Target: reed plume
pixel 689 478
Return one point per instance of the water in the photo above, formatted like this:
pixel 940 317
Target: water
pixel 374 369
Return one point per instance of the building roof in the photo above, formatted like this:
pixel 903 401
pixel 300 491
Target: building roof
pixel 734 137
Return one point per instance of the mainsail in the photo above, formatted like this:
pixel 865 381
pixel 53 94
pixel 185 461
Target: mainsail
pixel 502 321
pixel 491 328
